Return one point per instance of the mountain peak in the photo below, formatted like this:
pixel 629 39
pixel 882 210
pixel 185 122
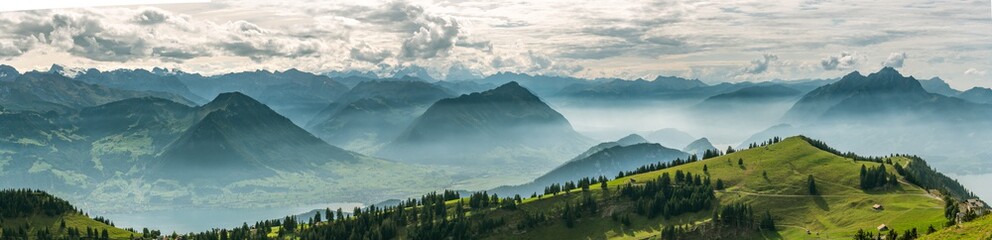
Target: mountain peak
pixel 631 140
pixel 55 68
pixel 511 84
pixel 231 101
pixel 511 88
pixel 699 146
pixel 855 73
pixel 889 70
pixel 8 73
pixel 233 97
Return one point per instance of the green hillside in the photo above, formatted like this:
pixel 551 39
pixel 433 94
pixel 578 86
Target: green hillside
pixel 980 228
pixel 37 214
pixel 741 195
pixel 840 209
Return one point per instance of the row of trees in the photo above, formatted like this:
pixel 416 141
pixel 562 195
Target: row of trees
pixel 17 203
pixel 909 234
pixel 771 141
pixel 70 233
pixel 877 177
pixel 583 183
pixel 659 166
pixel 919 173
pixel 823 146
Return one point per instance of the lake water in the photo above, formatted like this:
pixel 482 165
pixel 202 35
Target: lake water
pixel 203 219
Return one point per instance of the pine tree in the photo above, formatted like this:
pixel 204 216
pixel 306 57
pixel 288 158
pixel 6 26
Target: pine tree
pixel 812 186
pixel 767 222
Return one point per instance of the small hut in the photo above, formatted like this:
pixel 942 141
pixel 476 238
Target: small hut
pixel 878 207
pixel 883 227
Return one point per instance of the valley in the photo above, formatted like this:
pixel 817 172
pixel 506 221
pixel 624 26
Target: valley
pixel 239 159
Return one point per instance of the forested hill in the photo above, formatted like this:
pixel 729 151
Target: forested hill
pixel 34 214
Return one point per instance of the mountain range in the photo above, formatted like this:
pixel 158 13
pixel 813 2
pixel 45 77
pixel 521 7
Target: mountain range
pixel 881 94
pixel 42 92
pixel 954 127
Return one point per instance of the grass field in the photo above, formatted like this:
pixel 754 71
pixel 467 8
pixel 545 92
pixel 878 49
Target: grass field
pixel 774 178
pixel 980 229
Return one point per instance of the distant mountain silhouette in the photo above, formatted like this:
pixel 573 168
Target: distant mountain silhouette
pixel 238 137
pixel 624 89
pixel 607 162
pixel 699 147
pixel 756 93
pixel 977 95
pixel 139 80
pixel 938 86
pixel 541 85
pixel 293 93
pixel 414 71
pixel 625 141
pixel 509 116
pixel 373 113
pixel 670 137
pixel 883 93
pixel 41 92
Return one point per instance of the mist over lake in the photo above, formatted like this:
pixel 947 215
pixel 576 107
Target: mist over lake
pixel 186 220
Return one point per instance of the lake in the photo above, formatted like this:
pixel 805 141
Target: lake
pixel 203 219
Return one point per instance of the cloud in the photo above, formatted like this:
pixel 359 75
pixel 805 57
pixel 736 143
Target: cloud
pixel 459 71
pixel 431 40
pixel 844 61
pixel 760 65
pixel 466 42
pixel 895 60
pixel 15 48
pixel 249 40
pixel 94 36
pixel 872 38
pixel 151 16
pixel 975 72
pixel 427 35
pixel 533 62
pixel 367 53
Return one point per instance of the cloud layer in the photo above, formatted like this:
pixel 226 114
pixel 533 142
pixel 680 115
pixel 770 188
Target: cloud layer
pixel 710 40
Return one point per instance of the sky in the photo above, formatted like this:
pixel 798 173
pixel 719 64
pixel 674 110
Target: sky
pixel 714 41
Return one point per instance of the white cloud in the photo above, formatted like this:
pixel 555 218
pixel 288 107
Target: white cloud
pixel 367 53
pixel 843 61
pixel 895 60
pixel 758 66
pixel 591 39
pixel 975 72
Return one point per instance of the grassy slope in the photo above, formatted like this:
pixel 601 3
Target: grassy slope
pixel 71 220
pixel 840 210
pixel 980 228
pixel 837 213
